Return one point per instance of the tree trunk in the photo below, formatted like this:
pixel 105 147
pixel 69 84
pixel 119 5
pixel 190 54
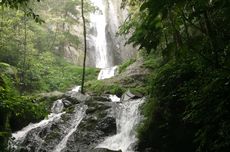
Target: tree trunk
pixel 85 49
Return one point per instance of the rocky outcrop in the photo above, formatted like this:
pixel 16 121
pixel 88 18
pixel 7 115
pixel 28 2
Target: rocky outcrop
pixel 116 44
pixel 97 122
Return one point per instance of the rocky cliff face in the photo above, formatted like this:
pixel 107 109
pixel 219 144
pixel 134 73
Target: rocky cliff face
pixel 115 16
pixel 117 51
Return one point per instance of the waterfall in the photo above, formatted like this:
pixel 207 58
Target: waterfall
pixel 127 118
pixel 106 73
pixel 103 57
pixel 72 130
pixel 98 22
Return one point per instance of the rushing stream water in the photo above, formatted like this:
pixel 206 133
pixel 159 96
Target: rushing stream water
pixel 127 118
pixel 78 116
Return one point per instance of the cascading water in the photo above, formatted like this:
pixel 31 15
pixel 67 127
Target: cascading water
pixel 39 136
pixel 127 118
pixel 103 58
pixel 98 22
pixel 19 137
pixel 107 73
pixel 78 116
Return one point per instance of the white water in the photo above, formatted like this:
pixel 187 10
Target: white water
pixel 20 135
pixel 127 118
pixel 57 106
pixel 78 116
pixel 107 73
pixel 114 98
pixel 76 89
pixel 98 21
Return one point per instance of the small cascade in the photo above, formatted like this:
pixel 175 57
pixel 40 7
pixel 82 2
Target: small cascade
pixel 127 118
pixel 114 98
pixel 107 73
pixel 19 137
pixel 52 133
pixel 76 89
pixel 78 116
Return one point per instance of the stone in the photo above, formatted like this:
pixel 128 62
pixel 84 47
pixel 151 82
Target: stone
pixel 76 97
pixel 66 103
pixel 127 96
pixel 104 150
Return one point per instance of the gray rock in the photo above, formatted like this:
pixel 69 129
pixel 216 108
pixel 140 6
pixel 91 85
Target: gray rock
pixel 97 124
pixel 128 96
pixel 76 97
pixel 104 150
pixel 101 98
pixel 67 103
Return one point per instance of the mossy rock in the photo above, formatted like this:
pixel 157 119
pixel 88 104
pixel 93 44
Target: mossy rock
pixel 7 69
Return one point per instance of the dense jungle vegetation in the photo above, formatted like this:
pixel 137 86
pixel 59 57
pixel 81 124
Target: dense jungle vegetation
pixel 188 104
pixel 33 40
pixel 185 44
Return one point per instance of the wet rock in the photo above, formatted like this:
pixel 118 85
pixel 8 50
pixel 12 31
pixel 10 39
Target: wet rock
pixel 128 95
pixel 76 97
pixel 104 150
pixel 101 98
pixel 66 103
pixel 97 124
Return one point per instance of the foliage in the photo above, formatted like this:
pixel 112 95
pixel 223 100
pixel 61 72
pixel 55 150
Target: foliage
pixel 38 51
pixel 99 87
pixel 34 57
pixel 16 111
pixel 123 66
pixel 22 5
pixel 46 76
pixel 188 99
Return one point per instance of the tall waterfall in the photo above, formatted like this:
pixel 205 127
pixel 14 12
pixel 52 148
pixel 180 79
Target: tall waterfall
pixel 102 55
pixel 98 22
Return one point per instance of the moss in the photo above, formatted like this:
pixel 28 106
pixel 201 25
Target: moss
pixel 139 90
pixel 53 135
pixel 99 87
pixel 123 66
pixel 70 109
